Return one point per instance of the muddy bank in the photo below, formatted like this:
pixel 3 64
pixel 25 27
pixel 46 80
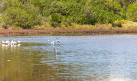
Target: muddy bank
pixel 66 32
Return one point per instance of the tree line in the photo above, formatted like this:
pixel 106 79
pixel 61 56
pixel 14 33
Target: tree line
pixel 28 13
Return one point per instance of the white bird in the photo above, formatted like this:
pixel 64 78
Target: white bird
pixel 13 42
pixel 7 42
pixel 3 42
pixel 18 42
pixel 57 40
pixel 15 45
pixel 3 45
pixel 52 42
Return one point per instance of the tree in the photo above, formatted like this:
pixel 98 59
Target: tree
pixel 132 12
pixel 20 17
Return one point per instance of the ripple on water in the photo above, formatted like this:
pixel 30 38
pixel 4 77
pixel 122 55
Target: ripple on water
pixel 78 58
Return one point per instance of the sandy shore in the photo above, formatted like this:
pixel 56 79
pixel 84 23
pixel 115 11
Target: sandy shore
pixel 65 32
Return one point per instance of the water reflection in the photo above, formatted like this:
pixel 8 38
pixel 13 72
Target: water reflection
pixel 19 64
pixel 76 58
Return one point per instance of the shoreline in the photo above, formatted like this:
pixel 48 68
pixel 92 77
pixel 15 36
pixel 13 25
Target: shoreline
pixel 6 32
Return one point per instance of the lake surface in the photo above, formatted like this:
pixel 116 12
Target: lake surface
pixel 76 58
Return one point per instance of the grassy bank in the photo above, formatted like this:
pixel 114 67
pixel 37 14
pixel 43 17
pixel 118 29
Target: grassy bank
pixel 65 28
pixel 66 32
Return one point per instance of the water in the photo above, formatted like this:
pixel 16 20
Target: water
pixel 76 58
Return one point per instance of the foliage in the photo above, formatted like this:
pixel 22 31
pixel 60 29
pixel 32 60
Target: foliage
pixel 117 24
pixel 32 13
pixel 20 17
pixel 56 17
pixel 132 12
pixel 89 16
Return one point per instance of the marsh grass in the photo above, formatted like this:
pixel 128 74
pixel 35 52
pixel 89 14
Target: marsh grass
pixel 67 28
pixel 119 24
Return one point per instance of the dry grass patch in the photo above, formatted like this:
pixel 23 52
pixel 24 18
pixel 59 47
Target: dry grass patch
pixel 129 25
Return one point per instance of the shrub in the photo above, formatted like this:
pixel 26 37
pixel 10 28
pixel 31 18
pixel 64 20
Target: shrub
pixel 117 24
pixel 56 17
pixel 13 27
pixel 105 11
pixel 69 10
pixel 20 17
pixel 54 24
pixel 50 7
pixel 89 16
pixel 120 23
pixel 38 27
pixel 104 16
pixel 66 24
pixel 132 12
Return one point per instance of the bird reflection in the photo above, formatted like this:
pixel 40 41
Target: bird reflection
pixel 11 46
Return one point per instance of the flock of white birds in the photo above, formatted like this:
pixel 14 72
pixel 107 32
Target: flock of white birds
pixel 10 43
pixel 19 42
pixel 13 44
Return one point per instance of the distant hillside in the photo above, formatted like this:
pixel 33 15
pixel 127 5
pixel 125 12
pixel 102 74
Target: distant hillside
pixel 29 13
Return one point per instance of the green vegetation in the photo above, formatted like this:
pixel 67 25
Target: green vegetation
pixel 43 14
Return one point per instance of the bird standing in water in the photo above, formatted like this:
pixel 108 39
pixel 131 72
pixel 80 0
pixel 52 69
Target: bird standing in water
pixel 52 42
pixel 57 40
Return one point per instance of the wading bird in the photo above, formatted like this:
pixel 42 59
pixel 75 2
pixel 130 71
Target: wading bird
pixel 18 42
pixel 57 40
pixel 52 42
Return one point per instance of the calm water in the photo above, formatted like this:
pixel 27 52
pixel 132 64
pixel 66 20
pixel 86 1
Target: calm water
pixel 76 58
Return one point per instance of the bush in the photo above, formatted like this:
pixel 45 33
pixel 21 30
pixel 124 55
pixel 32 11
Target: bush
pixel 66 24
pixel 51 7
pixel 54 24
pixel 132 12
pixel 20 17
pixel 105 16
pixel 105 11
pixel 56 17
pixel 69 10
pixel 117 23
pixel 13 27
pixel 89 16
